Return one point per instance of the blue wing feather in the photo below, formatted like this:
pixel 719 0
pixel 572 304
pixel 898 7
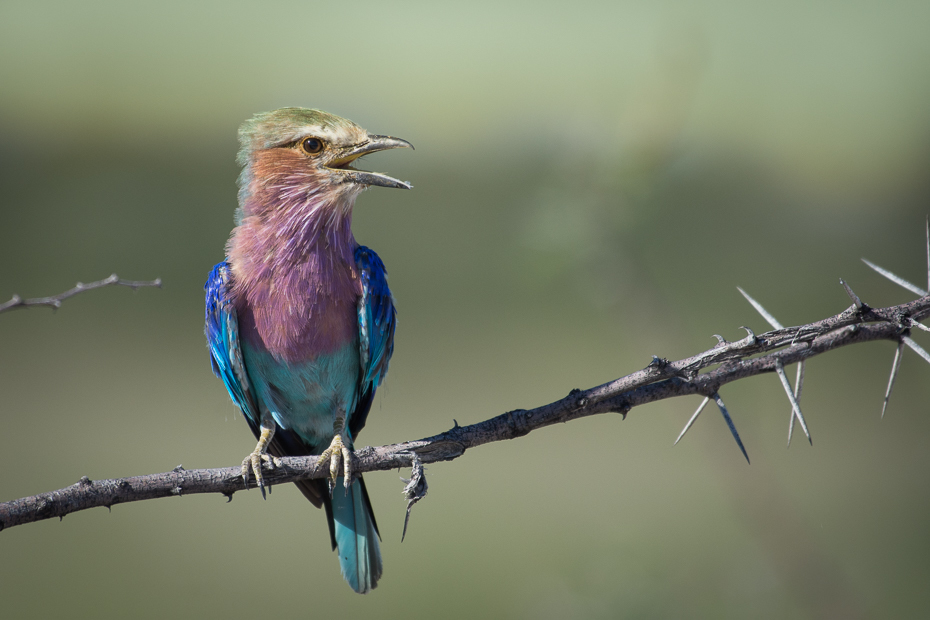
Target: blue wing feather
pixel 377 319
pixel 222 331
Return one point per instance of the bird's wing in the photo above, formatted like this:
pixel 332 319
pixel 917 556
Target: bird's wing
pixel 222 330
pixel 376 321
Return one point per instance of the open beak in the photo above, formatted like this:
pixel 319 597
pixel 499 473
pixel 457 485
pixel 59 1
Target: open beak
pixel 343 161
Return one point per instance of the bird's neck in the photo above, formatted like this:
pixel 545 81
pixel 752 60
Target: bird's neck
pixel 289 233
pixel 294 277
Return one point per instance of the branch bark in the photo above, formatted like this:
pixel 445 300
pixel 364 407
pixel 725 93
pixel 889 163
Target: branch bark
pixel 661 379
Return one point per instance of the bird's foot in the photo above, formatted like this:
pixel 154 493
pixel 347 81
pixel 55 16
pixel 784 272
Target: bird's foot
pixel 254 463
pixel 338 454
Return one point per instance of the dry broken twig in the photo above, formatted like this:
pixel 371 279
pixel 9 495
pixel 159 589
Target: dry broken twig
pixel 661 379
pixel 55 300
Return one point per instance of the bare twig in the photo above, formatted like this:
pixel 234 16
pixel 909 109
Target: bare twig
pixel 55 300
pixel 661 379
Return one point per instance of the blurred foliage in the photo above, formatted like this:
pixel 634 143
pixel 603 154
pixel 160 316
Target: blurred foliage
pixel 592 183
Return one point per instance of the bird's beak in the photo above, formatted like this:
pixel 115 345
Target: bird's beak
pixel 341 163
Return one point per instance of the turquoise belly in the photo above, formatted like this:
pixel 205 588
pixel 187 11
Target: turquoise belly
pixel 305 397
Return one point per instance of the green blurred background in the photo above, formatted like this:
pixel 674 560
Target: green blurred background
pixel 592 183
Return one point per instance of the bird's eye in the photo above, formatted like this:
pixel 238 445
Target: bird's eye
pixel 311 146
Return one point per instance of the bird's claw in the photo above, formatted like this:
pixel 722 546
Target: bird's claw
pixel 253 463
pixel 338 454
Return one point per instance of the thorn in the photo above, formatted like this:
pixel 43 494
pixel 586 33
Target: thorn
pixel 765 314
pixel 928 252
pixel 855 298
pixel 726 416
pixel 894 373
pixel 720 339
pixel 752 334
pixel 178 469
pixel 795 407
pixel 798 383
pixel 913 323
pixel 455 423
pixel 693 418
pixel 895 278
pixel 229 496
pixel 916 347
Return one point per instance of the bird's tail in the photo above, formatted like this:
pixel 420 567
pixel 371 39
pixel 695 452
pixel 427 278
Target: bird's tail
pixel 356 536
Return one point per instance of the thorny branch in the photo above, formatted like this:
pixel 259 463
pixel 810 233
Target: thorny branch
pixel 661 379
pixel 753 355
pixel 55 300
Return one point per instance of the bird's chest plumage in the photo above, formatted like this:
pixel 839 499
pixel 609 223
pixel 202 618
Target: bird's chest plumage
pixel 298 319
pixel 300 345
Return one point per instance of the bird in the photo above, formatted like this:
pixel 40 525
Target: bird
pixel 299 318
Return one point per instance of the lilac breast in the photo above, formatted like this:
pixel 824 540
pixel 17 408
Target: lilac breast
pixel 294 320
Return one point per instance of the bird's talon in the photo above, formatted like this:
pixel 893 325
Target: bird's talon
pixel 334 466
pixel 253 464
pixel 340 461
pixel 347 459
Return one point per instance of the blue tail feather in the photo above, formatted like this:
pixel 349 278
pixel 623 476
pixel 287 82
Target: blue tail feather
pixel 356 537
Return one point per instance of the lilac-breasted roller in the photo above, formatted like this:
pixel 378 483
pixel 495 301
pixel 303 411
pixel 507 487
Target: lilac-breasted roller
pixel 299 317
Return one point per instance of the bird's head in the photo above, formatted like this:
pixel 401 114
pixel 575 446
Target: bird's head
pixel 298 155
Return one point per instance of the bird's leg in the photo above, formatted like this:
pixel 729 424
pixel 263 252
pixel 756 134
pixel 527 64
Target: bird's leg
pixel 260 454
pixel 337 451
